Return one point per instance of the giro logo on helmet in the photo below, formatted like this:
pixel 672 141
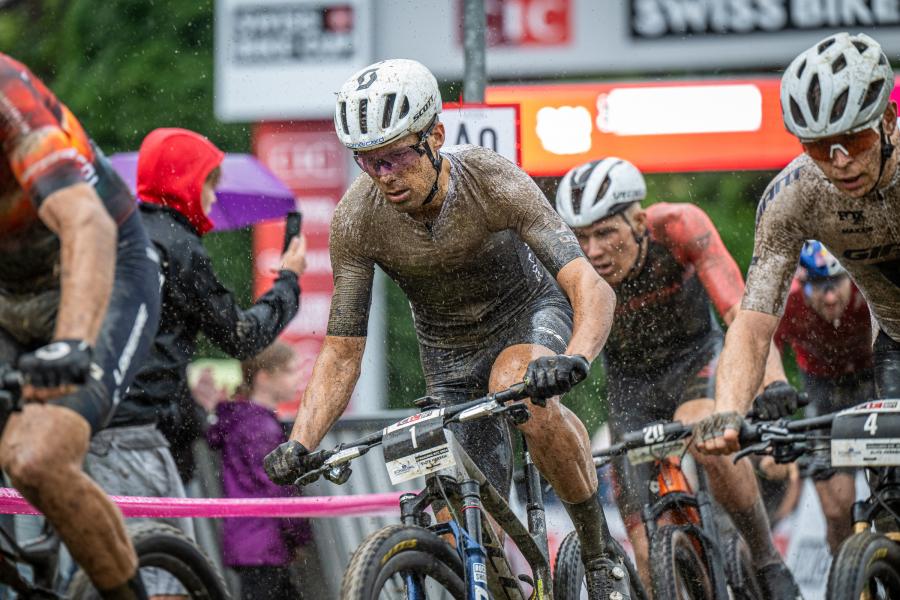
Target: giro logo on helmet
pixel 366 79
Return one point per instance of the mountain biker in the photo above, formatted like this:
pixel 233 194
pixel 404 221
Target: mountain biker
pixel 668 267
pixel 843 191
pixel 79 303
pixel 499 289
pixel 827 324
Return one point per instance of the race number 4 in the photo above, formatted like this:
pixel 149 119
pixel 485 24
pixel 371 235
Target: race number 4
pixel 871 424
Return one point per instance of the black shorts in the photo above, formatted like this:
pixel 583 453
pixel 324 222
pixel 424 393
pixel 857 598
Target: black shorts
pixel 831 394
pixel 455 375
pixel 125 336
pixel 886 355
pixel 638 400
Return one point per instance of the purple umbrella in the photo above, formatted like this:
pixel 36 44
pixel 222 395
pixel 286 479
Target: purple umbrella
pixel 247 194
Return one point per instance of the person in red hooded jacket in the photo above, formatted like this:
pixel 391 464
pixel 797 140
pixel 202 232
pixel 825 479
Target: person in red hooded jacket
pixel 178 171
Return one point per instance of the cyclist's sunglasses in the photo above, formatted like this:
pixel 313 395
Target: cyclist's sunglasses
pixel 396 160
pixel 851 144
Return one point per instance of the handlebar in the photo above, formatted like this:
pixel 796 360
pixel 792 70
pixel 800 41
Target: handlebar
pixel 783 439
pixel 333 463
pixel 648 436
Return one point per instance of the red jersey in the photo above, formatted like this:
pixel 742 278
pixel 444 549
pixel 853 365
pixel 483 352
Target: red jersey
pixel 824 349
pixel 663 311
pixel 45 149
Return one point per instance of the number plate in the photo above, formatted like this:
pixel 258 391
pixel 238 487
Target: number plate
pixel 867 435
pixel 661 450
pixel 416 446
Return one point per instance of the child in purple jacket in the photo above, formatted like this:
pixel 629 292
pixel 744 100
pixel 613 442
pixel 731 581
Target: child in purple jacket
pixel 259 549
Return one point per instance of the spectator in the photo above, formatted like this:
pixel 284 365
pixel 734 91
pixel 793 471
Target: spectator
pixel 258 548
pixel 177 173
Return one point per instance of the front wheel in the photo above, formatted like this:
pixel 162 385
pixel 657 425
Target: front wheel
pixel 867 567
pixel 739 569
pixel 568 571
pixel 398 556
pixel 166 558
pixel 676 568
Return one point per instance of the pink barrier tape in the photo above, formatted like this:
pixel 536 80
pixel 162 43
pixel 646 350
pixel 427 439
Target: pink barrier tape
pixel 11 502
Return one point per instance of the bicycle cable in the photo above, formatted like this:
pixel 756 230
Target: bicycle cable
pixel 447 500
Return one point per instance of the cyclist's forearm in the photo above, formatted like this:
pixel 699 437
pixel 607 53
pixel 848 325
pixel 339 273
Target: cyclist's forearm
pixel 742 363
pixel 330 387
pixel 87 259
pixel 593 303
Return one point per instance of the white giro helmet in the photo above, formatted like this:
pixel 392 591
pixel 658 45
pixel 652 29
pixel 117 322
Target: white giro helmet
pixel 597 190
pixel 840 85
pixel 384 102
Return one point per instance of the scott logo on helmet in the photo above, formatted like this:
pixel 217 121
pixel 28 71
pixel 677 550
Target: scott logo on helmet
pixel 366 79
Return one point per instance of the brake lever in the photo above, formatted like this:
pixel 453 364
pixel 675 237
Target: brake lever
pixel 752 449
pixel 310 477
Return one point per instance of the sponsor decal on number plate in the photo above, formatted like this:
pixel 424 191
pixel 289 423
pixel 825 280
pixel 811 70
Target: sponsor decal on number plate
pixel 659 451
pixel 865 453
pixel 420 464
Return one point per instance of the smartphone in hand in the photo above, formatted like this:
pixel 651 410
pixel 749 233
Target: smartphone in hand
pixel 292 223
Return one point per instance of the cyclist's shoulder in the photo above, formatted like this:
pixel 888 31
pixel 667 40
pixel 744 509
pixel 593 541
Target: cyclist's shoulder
pixel 485 164
pixel 795 188
pixel 679 225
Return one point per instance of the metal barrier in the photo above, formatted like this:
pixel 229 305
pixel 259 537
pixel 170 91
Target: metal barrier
pixel 336 539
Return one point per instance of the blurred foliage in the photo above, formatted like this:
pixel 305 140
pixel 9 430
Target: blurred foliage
pixel 126 67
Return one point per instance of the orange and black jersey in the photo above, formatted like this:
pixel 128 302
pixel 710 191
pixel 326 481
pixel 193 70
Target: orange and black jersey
pixel 663 312
pixel 45 150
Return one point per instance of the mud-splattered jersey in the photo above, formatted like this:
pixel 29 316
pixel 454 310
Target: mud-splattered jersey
pixel 495 246
pixel 663 311
pixel 45 149
pixel 863 233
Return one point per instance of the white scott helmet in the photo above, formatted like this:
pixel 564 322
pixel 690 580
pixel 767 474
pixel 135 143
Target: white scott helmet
pixel 840 85
pixel 384 102
pixel 597 190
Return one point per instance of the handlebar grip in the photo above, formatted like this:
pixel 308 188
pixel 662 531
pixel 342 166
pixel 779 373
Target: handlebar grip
pixel 802 399
pixel 749 434
pixel 512 393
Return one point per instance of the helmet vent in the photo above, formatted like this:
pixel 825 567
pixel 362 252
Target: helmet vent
pixel 363 115
pixel 797 114
pixel 814 96
pixel 344 118
pixel 826 45
pixel 388 110
pixel 801 68
pixel 838 65
pixel 840 105
pixel 883 59
pixel 861 46
pixel 404 108
pixel 872 93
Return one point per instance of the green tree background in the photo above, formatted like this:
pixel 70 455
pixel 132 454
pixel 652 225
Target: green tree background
pixel 126 67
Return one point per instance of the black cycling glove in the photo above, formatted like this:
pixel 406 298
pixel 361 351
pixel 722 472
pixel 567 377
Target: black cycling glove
pixel 778 399
pixel 287 462
pixel 550 376
pixel 62 362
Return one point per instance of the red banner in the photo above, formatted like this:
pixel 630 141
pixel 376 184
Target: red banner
pixel 308 157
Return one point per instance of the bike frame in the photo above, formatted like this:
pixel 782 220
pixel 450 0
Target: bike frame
pixel 479 548
pixel 676 503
